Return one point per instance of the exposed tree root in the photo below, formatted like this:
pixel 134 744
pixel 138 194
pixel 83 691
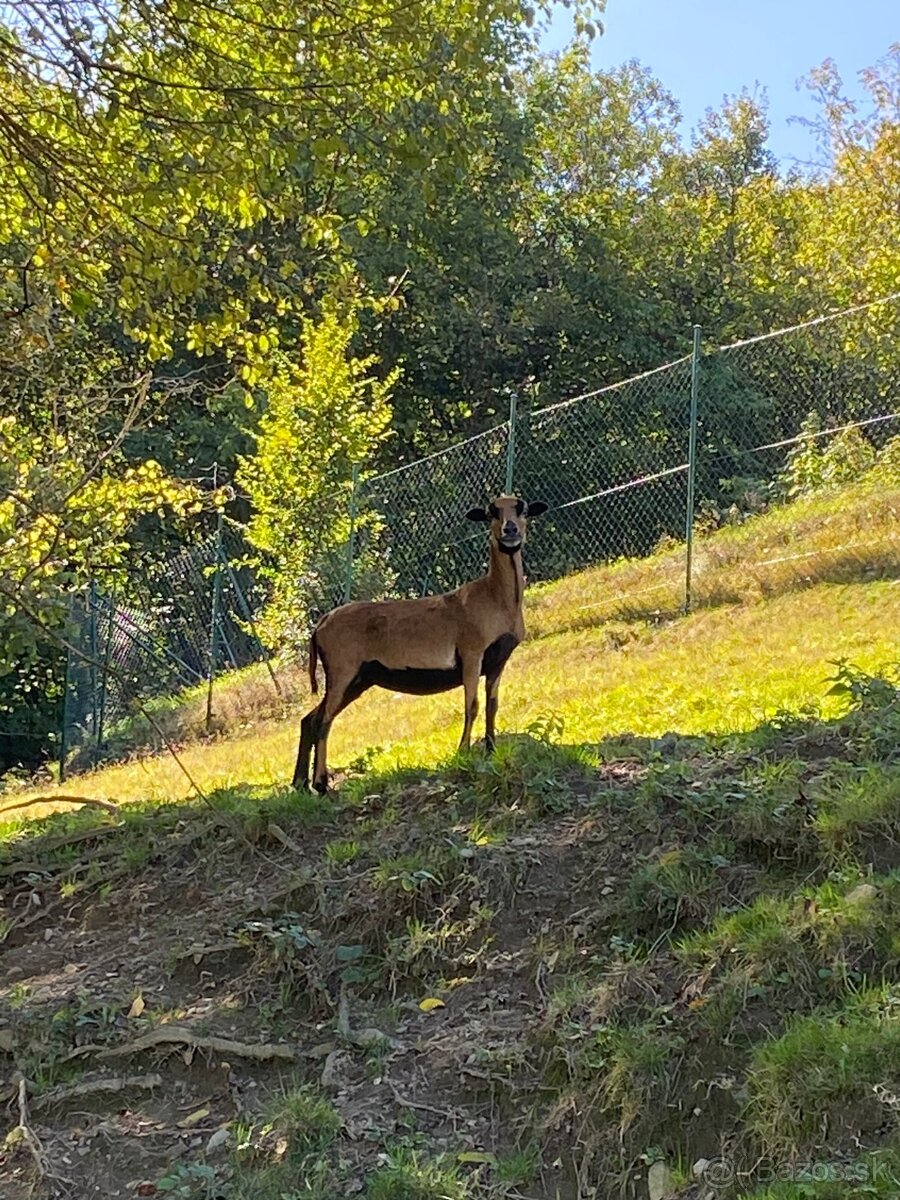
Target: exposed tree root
pixel 176 1035
pixel 279 835
pixel 24 1135
pixel 405 1102
pixel 93 1087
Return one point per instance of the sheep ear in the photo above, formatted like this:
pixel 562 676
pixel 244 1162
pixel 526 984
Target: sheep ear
pixel 477 514
pixel 536 508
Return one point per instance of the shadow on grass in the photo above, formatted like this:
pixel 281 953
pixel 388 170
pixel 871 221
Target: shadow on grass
pixel 535 769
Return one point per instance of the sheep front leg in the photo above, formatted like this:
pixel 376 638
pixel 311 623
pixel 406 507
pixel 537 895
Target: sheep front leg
pixel 471 673
pixel 491 701
pixel 338 694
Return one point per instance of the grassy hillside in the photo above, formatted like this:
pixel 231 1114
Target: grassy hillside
pixel 777 600
pixel 649 949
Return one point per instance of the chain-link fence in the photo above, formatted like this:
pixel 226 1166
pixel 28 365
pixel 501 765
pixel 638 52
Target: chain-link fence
pixel 629 466
pixel 711 438
pixel 188 618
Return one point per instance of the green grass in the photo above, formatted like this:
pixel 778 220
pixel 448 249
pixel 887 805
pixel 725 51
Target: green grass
pixel 666 911
pixel 808 946
pixel 827 1072
pixel 767 627
pixel 286 1152
pixel 869 1177
pixel 408 1176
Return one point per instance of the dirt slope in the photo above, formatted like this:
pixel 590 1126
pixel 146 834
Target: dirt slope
pixel 225 1000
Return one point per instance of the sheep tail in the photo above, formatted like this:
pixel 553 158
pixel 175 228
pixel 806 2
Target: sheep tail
pixel 313 660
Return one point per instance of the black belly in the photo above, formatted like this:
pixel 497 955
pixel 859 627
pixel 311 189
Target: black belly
pixel 418 681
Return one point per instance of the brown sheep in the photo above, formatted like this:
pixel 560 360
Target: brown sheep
pixel 423 646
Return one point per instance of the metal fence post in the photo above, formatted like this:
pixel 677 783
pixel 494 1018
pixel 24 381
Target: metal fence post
pixel 64 727
pixel 92 618
pixel 351 540
pixel 692 469
pixel 68 683
pixel 104 679
pixel 248 617
pixel 511 442
pixel 214 616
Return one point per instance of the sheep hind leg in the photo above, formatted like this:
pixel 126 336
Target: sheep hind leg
pixel 330 708
pixel 308 732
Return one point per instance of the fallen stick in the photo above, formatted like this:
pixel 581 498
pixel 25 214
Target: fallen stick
pixel 278 833
pixel 196 953
pixel 93 1087
pixel 106 805
pixel 176 1035
pixel 405 1102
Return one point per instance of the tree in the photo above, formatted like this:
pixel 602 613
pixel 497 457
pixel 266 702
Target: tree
pixel 852 231
pixel 326 412
pixel 184 136
pixel 68 502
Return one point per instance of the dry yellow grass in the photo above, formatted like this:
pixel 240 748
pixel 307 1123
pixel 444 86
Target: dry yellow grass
pixel 828 537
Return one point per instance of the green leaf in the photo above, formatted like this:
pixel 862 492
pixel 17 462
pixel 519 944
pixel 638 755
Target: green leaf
pixel 350 953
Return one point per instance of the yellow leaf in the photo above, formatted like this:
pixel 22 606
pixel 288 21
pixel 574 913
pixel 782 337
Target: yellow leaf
pixel 193 1118
pixel 430 1003
pixel 137 1006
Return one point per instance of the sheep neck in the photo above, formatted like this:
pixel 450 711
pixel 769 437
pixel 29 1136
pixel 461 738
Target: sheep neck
pixel 506 576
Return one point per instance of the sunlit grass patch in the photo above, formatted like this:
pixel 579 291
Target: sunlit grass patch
pixel 819 941
pixel 597 664
pixel 827 537
pixel 867 805
pixel 838 1070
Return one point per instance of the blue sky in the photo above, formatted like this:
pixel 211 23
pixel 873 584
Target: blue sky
pixel 702 49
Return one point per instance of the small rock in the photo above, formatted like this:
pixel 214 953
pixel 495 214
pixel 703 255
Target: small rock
pixel 659 1181
pixel 862 894
pixel 321 1050
pixel 698 1170
pixel 607 891
pixel 218 1139
pixel 331 1072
